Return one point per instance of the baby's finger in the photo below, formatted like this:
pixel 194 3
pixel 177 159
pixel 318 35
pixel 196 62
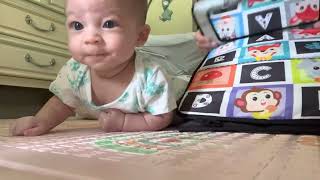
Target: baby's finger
pixel 35 131
pixel 316 25
pixel 103 117
pixel 206 46
pixel 13 129
pixel 19 125
pixel 201 38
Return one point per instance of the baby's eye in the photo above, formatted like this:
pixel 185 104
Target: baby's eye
pixel 76 25
pixel 109 24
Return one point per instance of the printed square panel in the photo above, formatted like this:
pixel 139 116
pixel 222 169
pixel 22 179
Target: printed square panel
pixel 221 60
pixel 228 47
pixel 250 4
pixel 205 102
pixel 261 102
pixel 228 26
pixel 305 48
pixel 265 52
pixel 304 33
pixel 305 71
pixel 261 22
pixel 270 36
pixel 213 78
pixel 307 102
pixel 302 11
pixel 266 73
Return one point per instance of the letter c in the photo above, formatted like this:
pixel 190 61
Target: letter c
pixel 255 73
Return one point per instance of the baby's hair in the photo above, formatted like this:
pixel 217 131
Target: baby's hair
pixel 142 9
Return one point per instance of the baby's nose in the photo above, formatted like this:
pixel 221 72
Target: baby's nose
pixel 93 39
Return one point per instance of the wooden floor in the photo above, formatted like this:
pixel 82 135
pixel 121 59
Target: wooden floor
pixel 69 124
pixel 77 149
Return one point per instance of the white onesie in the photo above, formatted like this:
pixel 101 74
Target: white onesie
pixel 151 89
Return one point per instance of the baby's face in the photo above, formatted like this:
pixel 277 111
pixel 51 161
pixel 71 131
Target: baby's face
pixel 103 33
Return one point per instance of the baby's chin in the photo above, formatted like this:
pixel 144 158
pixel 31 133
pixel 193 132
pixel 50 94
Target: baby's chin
pixel 93 60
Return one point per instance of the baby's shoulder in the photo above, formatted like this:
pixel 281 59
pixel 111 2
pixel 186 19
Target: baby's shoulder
pixel 75 72
pixel 149 67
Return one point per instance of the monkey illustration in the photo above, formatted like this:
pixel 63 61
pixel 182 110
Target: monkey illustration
pixel 305 11
pixel 226 27
pixel 311 68
pixel 264 52
pixel 260 102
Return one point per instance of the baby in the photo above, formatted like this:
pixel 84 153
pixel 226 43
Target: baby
pixel 106 77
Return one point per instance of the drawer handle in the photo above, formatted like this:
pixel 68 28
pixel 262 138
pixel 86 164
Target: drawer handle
pixel 29 59
pixel 31 23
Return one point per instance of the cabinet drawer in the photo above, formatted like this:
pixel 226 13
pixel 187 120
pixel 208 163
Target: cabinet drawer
pixel 23 59
pixel 53 5
pixel 57 3
pixel 32 25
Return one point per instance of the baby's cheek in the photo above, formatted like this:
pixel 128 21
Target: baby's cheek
pixel 71 46
pixel 74 49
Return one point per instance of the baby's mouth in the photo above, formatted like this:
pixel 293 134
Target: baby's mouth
pixel 96 55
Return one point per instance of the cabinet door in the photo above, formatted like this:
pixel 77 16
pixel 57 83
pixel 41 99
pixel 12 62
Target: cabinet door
pixel 181 19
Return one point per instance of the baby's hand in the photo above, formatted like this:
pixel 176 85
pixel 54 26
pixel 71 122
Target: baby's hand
pixel 27 126
pixel 112 120
pixel 316 25
pixel 204 43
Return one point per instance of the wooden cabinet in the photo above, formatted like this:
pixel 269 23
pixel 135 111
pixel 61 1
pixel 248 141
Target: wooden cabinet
pixel 33 42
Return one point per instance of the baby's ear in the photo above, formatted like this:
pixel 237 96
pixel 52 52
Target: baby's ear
pixel 143 35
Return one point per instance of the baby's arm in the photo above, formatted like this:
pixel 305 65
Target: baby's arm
pixel 51 114
pixel 115 120
pixel 317 24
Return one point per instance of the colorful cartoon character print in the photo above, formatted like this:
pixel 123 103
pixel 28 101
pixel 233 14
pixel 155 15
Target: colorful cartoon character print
pixel 305 11
pixel 264 52
pixel 226 27
pixel 305 33
pixel 260 102
pixel 225 48
pixel 311 68
pixel 252 2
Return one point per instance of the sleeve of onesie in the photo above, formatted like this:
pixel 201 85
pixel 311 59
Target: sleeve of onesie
pixel 63 86
pixel 158 95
